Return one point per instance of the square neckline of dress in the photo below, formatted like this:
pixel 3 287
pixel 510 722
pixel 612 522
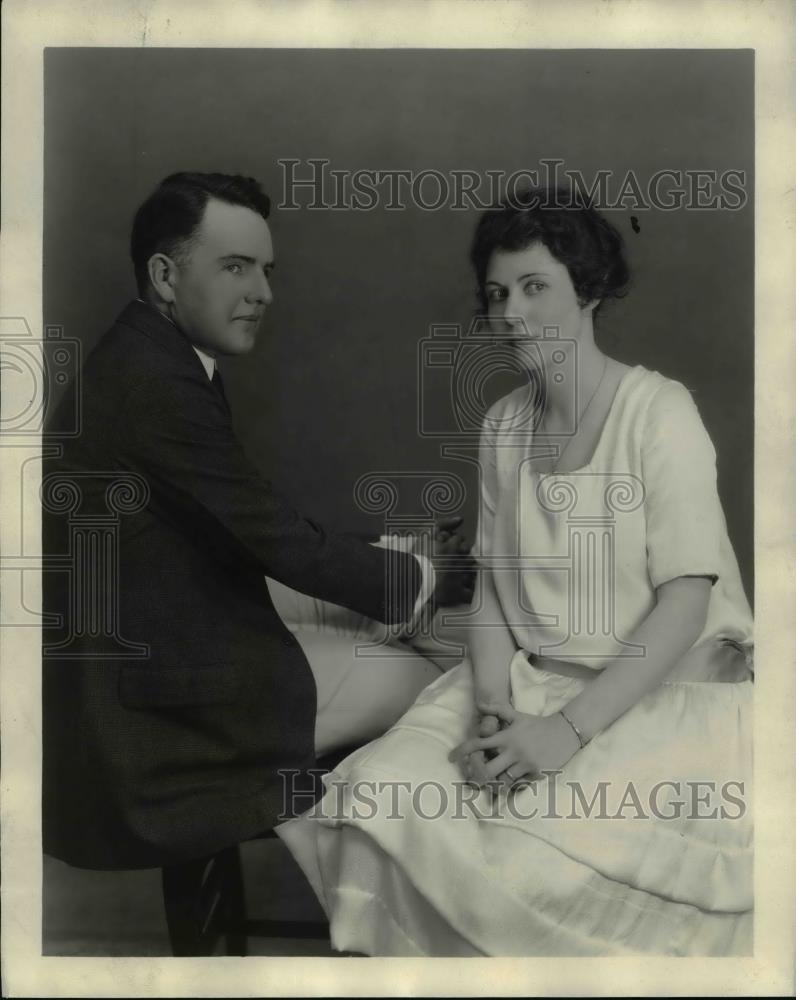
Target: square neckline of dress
pixel 601 439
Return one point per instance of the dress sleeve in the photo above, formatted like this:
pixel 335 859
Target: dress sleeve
pixel 682 505
pixel 488 485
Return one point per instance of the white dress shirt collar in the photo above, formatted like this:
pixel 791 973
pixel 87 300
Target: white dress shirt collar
pixel 208 363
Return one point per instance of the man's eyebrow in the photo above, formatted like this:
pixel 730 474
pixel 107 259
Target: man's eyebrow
pixel 269 266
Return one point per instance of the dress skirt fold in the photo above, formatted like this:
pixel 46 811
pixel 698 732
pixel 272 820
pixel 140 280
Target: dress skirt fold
pixel 642 844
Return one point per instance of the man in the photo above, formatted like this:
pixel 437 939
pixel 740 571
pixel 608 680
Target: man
pixel 157 759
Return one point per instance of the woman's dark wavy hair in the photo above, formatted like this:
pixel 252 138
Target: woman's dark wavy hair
pixel 572 230
pixel 168 220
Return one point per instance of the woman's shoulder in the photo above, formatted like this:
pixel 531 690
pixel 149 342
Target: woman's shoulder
pixel 668 412
pixel 655 392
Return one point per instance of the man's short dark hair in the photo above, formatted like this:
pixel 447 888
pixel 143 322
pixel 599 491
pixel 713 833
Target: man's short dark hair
pixel 574 232
pixel 168 220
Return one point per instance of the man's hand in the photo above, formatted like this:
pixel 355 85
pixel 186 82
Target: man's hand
pixel 454 568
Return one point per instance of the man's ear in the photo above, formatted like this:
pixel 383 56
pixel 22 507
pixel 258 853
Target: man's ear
pixel 163 276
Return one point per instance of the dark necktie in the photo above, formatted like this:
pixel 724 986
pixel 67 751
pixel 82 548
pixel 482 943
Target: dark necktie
pixel 218 385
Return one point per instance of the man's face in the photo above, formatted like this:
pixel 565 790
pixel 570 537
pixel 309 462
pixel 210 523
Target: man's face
pixel 221 291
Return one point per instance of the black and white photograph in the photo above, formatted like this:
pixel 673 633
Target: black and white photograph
pixel 396 433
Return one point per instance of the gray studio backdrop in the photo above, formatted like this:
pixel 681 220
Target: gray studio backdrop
pixel 331 389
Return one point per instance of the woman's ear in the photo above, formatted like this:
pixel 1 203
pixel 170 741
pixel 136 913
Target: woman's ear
pixel 162 275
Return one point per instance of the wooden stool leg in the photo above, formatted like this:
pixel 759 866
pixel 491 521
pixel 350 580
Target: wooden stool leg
pixel 181 893
pixel 236 935
pixel 204 900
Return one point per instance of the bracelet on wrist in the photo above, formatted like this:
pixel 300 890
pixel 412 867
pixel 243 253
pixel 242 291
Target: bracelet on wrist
pixel 574 728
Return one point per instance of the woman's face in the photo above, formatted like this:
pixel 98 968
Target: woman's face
pixel 529 290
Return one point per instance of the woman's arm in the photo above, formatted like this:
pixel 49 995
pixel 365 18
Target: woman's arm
pixel 666 634
pixel 491 645
pixel 531 744
pixel 683 515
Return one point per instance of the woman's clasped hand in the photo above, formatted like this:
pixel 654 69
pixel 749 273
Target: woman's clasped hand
pixel 513 747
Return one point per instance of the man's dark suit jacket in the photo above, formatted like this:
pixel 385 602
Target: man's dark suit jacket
pixel 156 760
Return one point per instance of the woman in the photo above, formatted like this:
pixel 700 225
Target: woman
pixel 603 717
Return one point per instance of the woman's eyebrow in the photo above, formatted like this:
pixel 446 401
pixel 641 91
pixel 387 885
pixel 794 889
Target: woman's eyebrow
pixel 521 277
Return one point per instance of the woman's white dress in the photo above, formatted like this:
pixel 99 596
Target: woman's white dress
pixel 643 843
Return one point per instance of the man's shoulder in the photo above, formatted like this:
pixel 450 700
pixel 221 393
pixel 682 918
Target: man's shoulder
pixel 129 373
pixel 132 352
